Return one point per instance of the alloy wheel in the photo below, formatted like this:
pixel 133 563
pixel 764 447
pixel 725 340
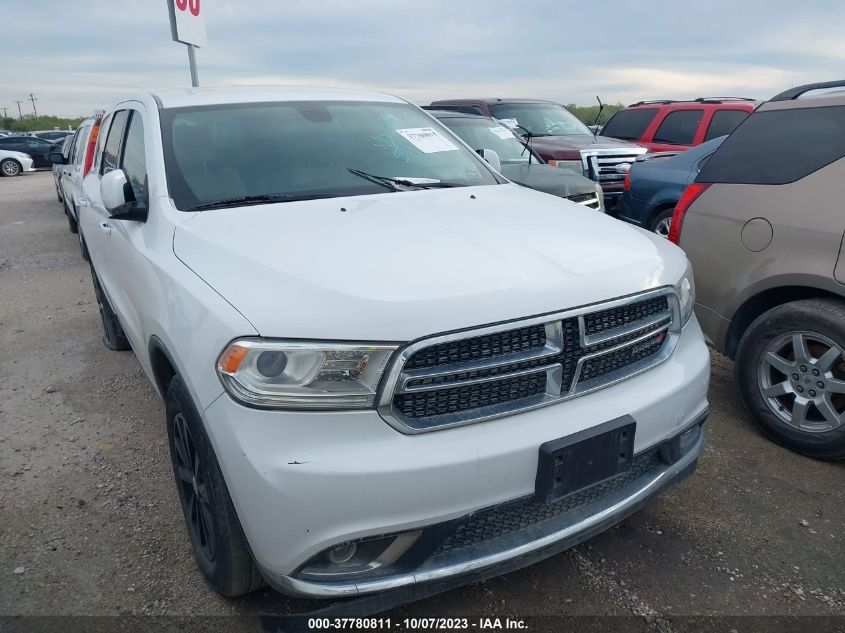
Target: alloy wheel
pixel 10 168
pixel 663 227
pixel 801 376
pixel 195 492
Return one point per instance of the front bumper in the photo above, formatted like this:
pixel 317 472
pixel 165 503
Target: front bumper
pixel 304 482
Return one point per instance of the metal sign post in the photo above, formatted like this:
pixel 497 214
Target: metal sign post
pixel 187 25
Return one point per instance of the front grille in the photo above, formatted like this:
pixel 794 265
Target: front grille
pixel 513 516
pixel 479 347
pixel 466 378
pixel 603 320
pixel 602 163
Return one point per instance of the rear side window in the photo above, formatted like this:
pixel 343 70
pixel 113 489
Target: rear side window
pixel 724 122
pixel 79 145
pixel 134 157
pixel 779 147
pixel 629 125
pixel 112 146
pixel 679 127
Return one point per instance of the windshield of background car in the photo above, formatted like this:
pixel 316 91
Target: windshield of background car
pixel 488 134
pixel 541 119
pixel 306 149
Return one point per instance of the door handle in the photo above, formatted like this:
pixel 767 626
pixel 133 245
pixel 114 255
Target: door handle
pixel 105 227
pixel 83 202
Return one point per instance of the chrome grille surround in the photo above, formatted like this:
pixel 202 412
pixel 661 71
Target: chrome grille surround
pixel 619 352
pixel 600 164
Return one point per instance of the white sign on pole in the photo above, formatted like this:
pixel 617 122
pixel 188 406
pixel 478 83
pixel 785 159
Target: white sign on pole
pixel 187 21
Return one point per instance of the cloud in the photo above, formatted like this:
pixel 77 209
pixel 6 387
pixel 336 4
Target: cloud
pixel 78 56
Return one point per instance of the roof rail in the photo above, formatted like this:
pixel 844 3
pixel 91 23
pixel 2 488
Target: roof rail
pixel 720 99
pixel 653 102
pixel 794 93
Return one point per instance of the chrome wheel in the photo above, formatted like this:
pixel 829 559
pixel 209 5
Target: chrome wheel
pixel 10 168
pixel 801 376
pixel 663 227
pixel 194 487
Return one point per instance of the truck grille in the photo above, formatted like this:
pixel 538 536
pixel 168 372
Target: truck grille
pixel 601 164
pixel 499 370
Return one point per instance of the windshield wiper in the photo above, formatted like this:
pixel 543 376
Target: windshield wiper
pixel 391 183
pixel 244 201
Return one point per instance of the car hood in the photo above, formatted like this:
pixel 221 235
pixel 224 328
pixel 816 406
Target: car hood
pixel 398 266
pixel 577 142
pixel 558 182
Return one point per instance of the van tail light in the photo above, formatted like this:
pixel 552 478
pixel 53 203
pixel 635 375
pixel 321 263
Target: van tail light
pixel 627 184
pixel 89 151
pixel 690 195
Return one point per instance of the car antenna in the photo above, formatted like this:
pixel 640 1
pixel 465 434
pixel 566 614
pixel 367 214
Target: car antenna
pixel 596 122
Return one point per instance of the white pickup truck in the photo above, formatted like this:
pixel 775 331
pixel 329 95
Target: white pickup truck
pixel 383 363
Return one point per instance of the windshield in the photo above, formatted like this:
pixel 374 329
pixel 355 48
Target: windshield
pixel 541 119
pixel 302 150
pixel 481 133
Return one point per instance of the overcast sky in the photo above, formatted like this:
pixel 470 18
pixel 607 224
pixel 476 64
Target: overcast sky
pixel 85 54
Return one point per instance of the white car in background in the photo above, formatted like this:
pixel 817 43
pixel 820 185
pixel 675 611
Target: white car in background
pixel 14 163
pixel 383 364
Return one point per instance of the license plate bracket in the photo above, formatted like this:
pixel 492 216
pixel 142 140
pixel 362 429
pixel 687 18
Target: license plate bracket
pixel 575 462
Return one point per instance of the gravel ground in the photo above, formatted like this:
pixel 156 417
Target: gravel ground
pixel 90 523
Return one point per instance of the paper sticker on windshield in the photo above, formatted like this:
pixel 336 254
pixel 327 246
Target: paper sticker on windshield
pixel 501 131
pixel 511 123
pixel 428 140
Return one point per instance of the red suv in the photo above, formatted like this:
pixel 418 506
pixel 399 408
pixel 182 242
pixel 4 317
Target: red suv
pixel 671 126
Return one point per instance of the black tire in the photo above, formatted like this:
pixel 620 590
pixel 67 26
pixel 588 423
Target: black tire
pixel 662 222
pixel 72 226
pixel 10 167
pixel 113 335
pixel 803 389
pixel 218 541
pixel 83 249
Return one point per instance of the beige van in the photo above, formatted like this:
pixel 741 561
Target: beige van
pixel 763 226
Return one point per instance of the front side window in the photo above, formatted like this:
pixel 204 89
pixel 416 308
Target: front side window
pixel 776 147
pixel 134 160
pixel 541 119
pixel 487 134
pixel 679 127
pixel 724 122
pixel 112 146
pixel 629 125
pixel 296 150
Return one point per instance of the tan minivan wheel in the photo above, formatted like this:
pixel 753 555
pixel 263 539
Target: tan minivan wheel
pixel 790 367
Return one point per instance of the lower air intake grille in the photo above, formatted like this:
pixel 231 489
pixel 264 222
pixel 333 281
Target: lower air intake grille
pixel 517 515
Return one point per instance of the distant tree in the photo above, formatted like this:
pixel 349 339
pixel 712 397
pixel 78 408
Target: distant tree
pixel 44 122
pixel 587 114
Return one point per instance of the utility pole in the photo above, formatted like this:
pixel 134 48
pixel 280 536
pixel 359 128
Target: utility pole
pixel 20 114
pixel 5 114
pixel 33 98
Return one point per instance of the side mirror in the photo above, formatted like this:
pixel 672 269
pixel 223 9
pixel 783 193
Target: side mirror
pixel 491 157
pixel 118 198
pixel 113 190
pixel 57 158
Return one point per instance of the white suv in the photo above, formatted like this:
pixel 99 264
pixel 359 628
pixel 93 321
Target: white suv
pixel 383 363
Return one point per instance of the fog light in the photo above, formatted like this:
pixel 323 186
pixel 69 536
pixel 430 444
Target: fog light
pixel 342 553
pixel 354 558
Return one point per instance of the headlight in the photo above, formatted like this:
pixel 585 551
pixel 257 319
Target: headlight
pixel 600 194
pixel 301 375
pixel 686 294
pixel 571 165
